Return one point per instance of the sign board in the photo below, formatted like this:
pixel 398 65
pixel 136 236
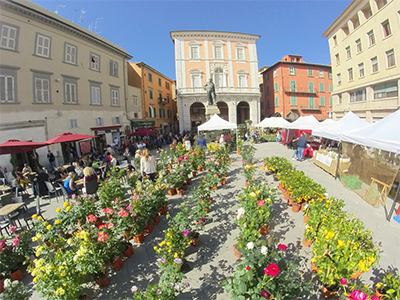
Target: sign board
pixel 142 123
pixel 104 131
pixel 326 160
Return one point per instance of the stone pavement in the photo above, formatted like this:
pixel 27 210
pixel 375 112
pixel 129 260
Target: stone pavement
pixel 213 260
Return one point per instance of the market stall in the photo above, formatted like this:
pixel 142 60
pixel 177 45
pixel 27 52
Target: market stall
pixel 214 127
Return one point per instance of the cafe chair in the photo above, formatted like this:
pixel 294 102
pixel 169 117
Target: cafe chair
pixel 64 193
pixel 52 190
pixel 4 224
pixel 91 187
pixel 19 200
pixel 5 199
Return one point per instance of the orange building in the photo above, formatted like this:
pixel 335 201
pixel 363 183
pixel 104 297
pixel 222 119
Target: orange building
pixel 158 104
pixel 292 88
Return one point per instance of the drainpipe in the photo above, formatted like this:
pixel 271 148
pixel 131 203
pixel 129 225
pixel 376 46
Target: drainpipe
pixel 46 132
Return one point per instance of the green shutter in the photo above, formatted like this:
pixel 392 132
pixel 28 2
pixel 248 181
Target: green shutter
pixel 330 87
pixel 267 90
pixel 276 101
pixel 330 101
pixel 293 100
pixel 276 86
pixel 292 85
pixel 322 101
pixel 311 102
pixel 268 104
pixel 321 87
pixel 311 87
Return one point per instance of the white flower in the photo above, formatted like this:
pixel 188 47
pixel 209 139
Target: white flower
pixel 177 287
pixel 241 211
pixel 250 245
pixel 7 283
pixel 264 250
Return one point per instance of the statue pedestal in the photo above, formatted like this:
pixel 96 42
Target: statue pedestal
pixel 211 110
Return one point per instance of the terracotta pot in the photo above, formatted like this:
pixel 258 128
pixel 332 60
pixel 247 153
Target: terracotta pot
pixel 302 207
pixel 17 275
pixel 194 173
pixel 263 230
pixel 184 187
pixel 139 238
pixel 156 219
pixel 290 201
pixel 128 252
pixel 117 264
pixel 377 293
pixel 236 252
pixel 103 281
pixel 200 169
pixel 356 275
pixel 326 293
pixel 296 207
pixel 214 188
pixel 149 228
pixel 285 195
pixel 307 243
pixel 305 218
pixel 172 191
pixel 127 235
pixel 2 284
pixel 239 153
pixel 223 182
pixel 247 184
pixel 280 187
pixel 179 192
pixel 189 181
pixel 163 211
pixel 314 269
pixel 196 241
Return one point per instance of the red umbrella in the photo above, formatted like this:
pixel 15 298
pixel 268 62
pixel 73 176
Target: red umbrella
pixel 143 132
pixel 15 146
pixel 68 137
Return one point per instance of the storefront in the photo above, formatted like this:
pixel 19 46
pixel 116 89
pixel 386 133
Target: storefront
pixel 105 136
pixel 141 123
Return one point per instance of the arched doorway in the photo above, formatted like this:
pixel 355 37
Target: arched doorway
pixel 223 110
pixel 277 114
pixel 242 112
pixel 197 114
pixel 293 115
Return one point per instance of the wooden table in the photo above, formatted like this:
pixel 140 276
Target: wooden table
pixel 9 208
pixel 125 166
pixel 5 188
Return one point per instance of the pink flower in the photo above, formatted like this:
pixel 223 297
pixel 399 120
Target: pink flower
pixel 260 203
pixel 272 270
pixel 116 200
pixel 343 281
pixel 91 218
pixel 122 213
pixel 108 211
pixel 2 244
pixel 180 173
pixel 282 247
pixel 186 157
pixel 179 160
pixel 102 237
pixel 85 195
pixel 265 294
pixel 134 214
pixel 101 226
pixel 110 225
pixel 12 229
pixel 185 232
pixel 374 298
pixel 15 242
pixel 357 295
pixel 248 268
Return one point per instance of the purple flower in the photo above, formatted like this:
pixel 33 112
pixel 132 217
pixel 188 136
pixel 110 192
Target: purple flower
pixel 177 287
pixel 134 289
pixel 177 260
pixel 159 291
pixel 187 284
pixel 58 230
pixel 186 232
pixel 204 220
pixel 165 180
pixel 180 173
pixel 163 260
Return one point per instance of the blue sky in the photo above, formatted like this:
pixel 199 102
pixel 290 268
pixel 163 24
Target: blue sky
pixel 142 27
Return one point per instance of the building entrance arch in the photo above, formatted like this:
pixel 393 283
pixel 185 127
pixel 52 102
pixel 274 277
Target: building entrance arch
pixel 242 112
pixel 197 114
pixel 224 110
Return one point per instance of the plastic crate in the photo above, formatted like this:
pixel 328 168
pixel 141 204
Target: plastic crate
pixel 354 183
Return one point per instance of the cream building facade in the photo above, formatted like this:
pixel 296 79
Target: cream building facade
pixel 57 77
pixel 227 57
pixel 364 43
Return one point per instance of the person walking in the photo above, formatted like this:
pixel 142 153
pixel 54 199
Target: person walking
pixel 148 165
pixel 301 146
pixel 295 148
pixel 52 159
pixel 201 142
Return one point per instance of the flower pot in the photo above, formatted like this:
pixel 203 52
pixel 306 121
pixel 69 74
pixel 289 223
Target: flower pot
pixel 307 243
pixel 179 192
pixel 194 173
pixel 103 281
pixel 290 201
pixel 195 242
pixel 305 218
pixel 2 285
pixel 236 252
pixel 128 252
pixel 117 264
pixel 302 207
pixel 239 153
pixel 314 269
pixel 377 293
pixel 184 187
pixel 280 187
pixel 172 191
pixel 296 207
pixel 163 211
pixel 189 181
pixel 156 219
pixel 139 238
pixel 127 235
pixel 223 182
pixel 327 293
pixel 17 275
pixel 149 228
pixel 286 195
pixel 263 230
pixel 356 275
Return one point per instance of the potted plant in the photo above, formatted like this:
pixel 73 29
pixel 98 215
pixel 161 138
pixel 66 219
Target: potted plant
pixel 15 290
pixel 389 286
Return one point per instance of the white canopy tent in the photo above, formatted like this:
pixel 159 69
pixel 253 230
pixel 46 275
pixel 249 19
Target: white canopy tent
pixel 273 122
pixel 216 123
pixel 327 122
pixel 336 130
pixel 305 123
pixel 381 135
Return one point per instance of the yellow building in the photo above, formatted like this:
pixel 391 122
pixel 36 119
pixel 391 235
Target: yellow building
pixel 157 97
pixel 58 77
pixel 364 43
pixel 230 59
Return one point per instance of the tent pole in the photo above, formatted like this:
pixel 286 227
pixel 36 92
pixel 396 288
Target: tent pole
pixel 338 162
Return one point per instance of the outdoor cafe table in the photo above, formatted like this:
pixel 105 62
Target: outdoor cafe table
pixel 6 210
pixel 124 166
pixel 5 188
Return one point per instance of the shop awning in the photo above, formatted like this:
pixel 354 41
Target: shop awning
pixel 16 146
pixel 68 137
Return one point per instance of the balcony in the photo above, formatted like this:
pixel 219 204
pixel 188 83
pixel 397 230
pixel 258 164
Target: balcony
pixel 163 101
pixel 221 90
pixel 308 107
pixel 301 91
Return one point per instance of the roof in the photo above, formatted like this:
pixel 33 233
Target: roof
pixel 295 63
pixel 144 65
pixel 340 18
pixel 211 33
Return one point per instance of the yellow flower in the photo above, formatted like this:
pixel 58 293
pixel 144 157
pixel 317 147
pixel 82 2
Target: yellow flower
pixel 70 241
pixel 57 222
pixel 68 208
pixel 34 239
pixel 46 223
pixel 38 235
pixel 35 279
pixel 65 204
pixel 34 216
pixel 39 218
pixel 155 248
pixel 63 274
pixel 340 242
pixel 330 235
pixel 60 291
pixel 58 209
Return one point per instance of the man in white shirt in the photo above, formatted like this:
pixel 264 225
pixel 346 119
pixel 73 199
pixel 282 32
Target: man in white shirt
pixel 113 160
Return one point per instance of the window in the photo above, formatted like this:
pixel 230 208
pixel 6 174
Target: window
pixel 348 52
pixel 386 28
pixel 160 95
pixel 385 90
pixel 380 3
pixel 268 103
pixel 310 72
pixel 358 46
pixel 334 40
pixel 322 101
pixel 135 101
pixel 167 98
pixel 275 73
pixel 358 95
pixel 113 68
pixel 311 87
pixel 99 121
pixel 350 72
pixel 267 77
pixel 267 90
pixel 169 113
pixel 293 100
pixel 218 54
pixel 337 59
pixel 292 70
pixel 70 54
pixel 159 81
pixel 9 36
pixel 150 77
pixel 339 79
pixel 136 115
pixel 330 75
pixel 330 101
pixel 275 87
pixel 242 78
pixel 276 101
pixel 116 120
pixel 195 51
pixel 167 85
pixel 320 73
pixel 361 70
pixel 42 88
pixel 240 55
pixel 390 58
pixel 42 45
pixel 70 90
pixel 311 102
pixel 152 111
pixel 292 85
pixel 95 94
pixel 114 96
pixel 73 123
pixel 196 80
pixel 94 62
pixel 374 62
pixel 162 113
pixel 330 88
pixel 321 87
pixel 340 98
pixel 8 85
pixel 219 78
pixel 150 93
pixel 371 38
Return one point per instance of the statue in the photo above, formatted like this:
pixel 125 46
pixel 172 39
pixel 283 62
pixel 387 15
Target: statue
pixel 210 88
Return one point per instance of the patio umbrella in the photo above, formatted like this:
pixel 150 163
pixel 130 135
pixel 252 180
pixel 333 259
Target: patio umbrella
pixel 68 137
pixel 143 132
pixel 16 146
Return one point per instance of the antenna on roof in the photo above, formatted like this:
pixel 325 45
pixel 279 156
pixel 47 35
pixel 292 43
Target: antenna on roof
pixel 82 15
pixel 59 7
pixel 95 27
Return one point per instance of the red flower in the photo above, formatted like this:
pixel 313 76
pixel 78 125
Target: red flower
pixel 272 270
pixel 265 294
pixel 91 218
pixel 282 247
pixel 248 268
